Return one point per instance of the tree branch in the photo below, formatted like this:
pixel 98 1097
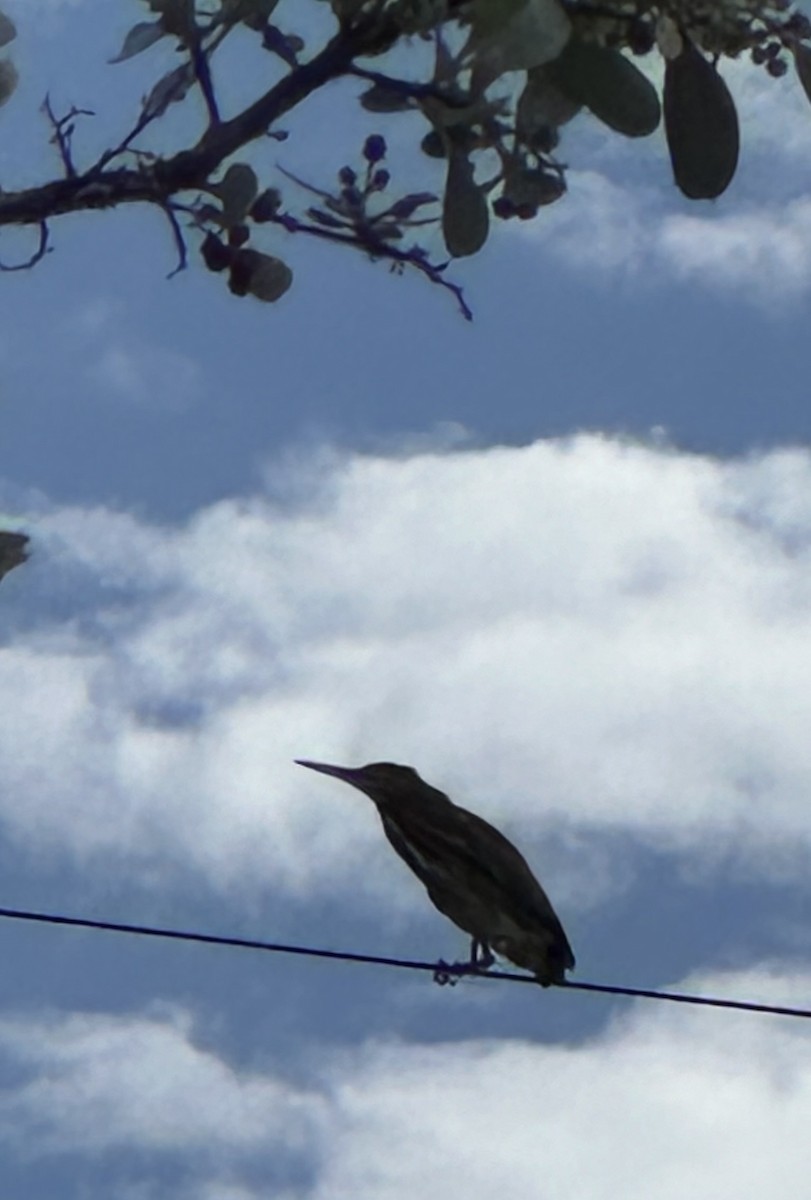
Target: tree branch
pixel 156 182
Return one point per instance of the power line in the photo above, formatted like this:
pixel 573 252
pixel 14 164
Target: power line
pixel 441 971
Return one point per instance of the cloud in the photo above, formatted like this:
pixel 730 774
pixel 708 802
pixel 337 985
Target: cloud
pixel 662 1105
pixel 624 216
pixel 128 369
pixel 606 228
pixel 772 246
pixel 665 1102
pixel 580 639
pixel 94 1083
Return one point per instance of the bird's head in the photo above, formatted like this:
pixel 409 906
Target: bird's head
pixel 383 782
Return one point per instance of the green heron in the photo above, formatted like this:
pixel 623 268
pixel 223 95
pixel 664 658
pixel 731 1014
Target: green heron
pixel 471 872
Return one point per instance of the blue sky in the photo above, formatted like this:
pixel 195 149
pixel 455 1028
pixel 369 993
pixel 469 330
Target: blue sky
pixel 557 559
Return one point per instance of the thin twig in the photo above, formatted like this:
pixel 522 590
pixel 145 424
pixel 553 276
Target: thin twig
pixel 180 241
pixel 199 58
pixel 36 257
pixel 63 131
pixel 411 89
pixel 377 249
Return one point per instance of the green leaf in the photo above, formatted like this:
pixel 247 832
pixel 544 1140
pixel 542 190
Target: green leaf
pixel 168 90
pixel 465 214
pixel 139 38
pixel 8 31
pixel 609 84
pixel 542 105
pixel 266 205
pixel 490 17
pixel 802 61
pixel 237 190
pixel 531 188
pixel 8 80
pixel 515 35
pixel 262 275
pixel 701 124
pixel 381 99
pixel 254 13
pixel 177 16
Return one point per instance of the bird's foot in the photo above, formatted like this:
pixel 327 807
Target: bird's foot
pixel 448 973
pixel 451 973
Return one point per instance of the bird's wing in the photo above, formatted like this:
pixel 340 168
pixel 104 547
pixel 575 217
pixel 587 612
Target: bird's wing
pixel 468 847
pixel 509 868
pixel 506 860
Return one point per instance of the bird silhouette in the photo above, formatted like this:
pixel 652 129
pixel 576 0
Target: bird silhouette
pixel 472 873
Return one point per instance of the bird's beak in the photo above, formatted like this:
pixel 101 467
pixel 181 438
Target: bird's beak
pixel 353 775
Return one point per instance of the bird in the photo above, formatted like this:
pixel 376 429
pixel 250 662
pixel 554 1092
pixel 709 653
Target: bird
pixel 473 874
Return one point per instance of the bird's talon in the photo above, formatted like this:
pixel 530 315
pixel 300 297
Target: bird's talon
pixel 446 973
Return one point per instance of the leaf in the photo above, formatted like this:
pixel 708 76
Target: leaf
pixel 380 99
pixel 8 80
pixel 168 90
pixel 404 208
pixel 286 45
pixel 609 84
pixel 542 105
pixel 701 124
pixel 8 30
pixel 253 13
pixel 139 38
pixel 465 215
pixel 262 275
pixel 515 35
pixel 528 189
pixel 237 190
pixel 177 16
pixel 668 37
pixel 802 61
pixel 325 218
pixel 346 10
pixel 266 205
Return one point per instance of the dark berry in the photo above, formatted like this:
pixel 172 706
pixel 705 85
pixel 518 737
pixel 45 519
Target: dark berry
pixel 503 207
pixel 374 148
pixel 216 256
pixel 266 205
pixel 238 235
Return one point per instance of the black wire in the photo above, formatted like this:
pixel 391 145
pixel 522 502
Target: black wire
pixel 440 969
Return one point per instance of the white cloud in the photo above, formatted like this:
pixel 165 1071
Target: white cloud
pixel 128 368
pixel 147 375
pixel 93 1083
pixel 770 246
pixel 666 1102
pixel 761 251
pixel 624 216
pixel 661 1107
pixel 576 638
